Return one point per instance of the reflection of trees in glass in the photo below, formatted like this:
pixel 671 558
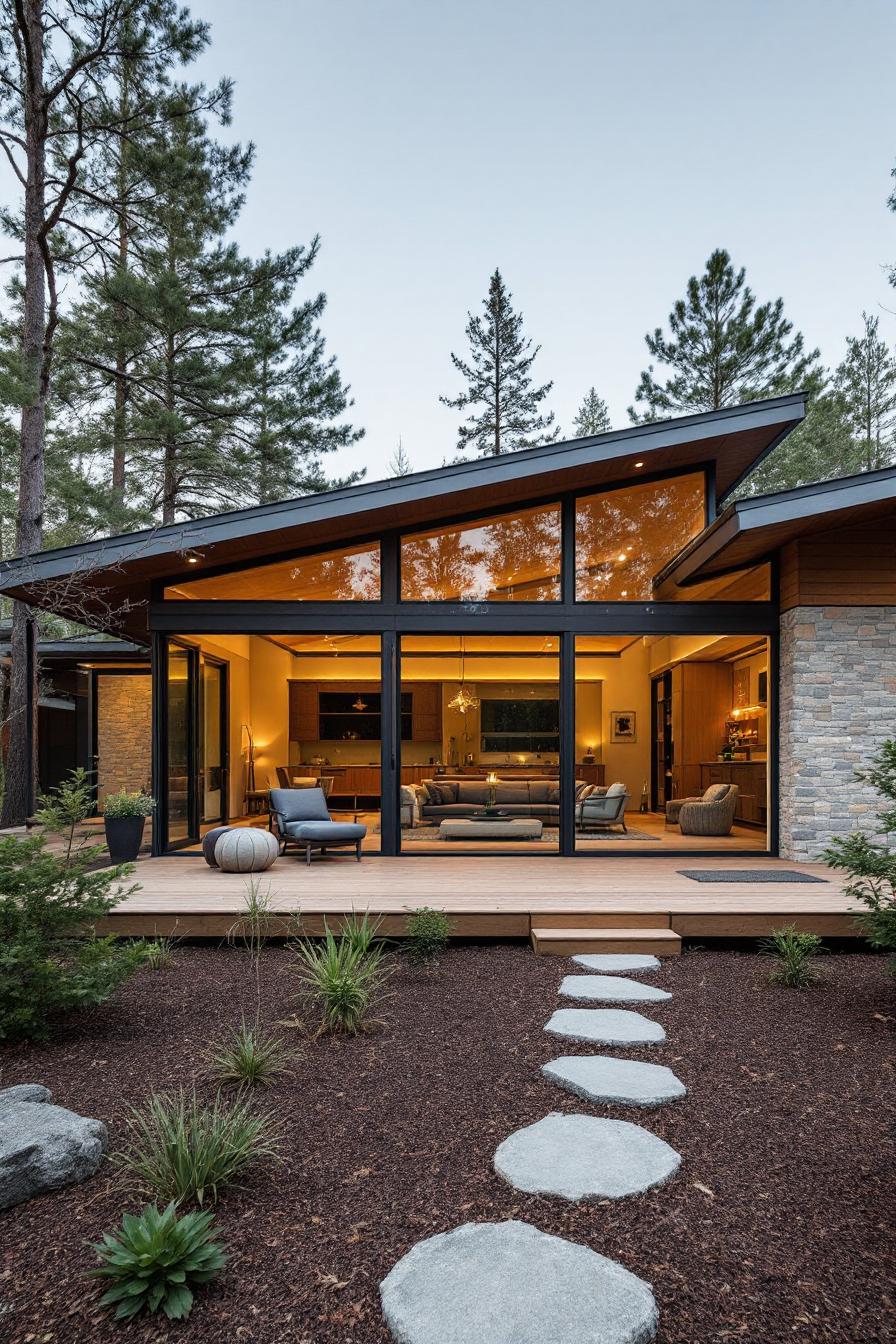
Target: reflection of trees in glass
pixel 623 538
pixel 340 577
pixel 516 558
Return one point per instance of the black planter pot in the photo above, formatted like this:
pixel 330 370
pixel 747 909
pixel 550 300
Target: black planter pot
pixel 124 836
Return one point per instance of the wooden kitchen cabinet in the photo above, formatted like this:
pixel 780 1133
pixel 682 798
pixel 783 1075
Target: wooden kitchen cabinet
pixel 303 711
pixel 701 702
pixel 751 778
pixel 426 710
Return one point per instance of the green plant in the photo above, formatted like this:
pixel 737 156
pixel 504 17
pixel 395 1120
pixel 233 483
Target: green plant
pixel 427 932
pixel 158 953
pixel 872 866
pixel 343 981
pixel 50 960
pixel 795 952
pixel 156 1261
pixel 124 804
pixel 359 933
pixel 183 1149
pixel 250 1056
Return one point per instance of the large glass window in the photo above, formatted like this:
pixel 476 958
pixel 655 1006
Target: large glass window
pixel 348 575
pixel 508 558
pixel 180 778
pixel 625 536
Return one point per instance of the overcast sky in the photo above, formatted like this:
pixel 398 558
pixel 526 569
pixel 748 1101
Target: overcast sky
pixel 595 151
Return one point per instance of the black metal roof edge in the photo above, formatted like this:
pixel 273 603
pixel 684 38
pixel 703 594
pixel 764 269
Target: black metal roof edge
pixel 614 444
pixel 84 649
pixel 757 511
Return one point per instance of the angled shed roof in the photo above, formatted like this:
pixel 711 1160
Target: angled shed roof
pixel 751 529
pixel 734 440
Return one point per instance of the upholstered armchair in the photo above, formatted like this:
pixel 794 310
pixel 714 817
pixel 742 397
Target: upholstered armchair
pixel 602 808
pixel 713 814
pixel 300 817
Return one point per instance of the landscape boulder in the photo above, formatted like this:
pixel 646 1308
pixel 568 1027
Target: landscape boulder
pixel 43 1146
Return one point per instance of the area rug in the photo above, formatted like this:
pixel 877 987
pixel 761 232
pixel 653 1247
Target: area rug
pixel 748 875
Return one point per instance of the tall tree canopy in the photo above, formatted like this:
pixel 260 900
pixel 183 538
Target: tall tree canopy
pixel 593 416
pixel 504 405
pixel 722 348
pixel 866 380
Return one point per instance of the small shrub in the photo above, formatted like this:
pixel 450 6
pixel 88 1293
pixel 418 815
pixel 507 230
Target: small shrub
pixel 156 1261
pixel 183 1149
pixel 427 932
pixel 124 804
pixel 872 866
pixel 250 1056
pixel 795 952
pixel 341 980
pixel 50 961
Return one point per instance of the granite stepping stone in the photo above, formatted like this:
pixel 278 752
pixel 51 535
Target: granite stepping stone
pixel 627 1081
pixel 608 1026
pixel 610 989
pixel 509 1283
pixel 585 1157
pixel 617 961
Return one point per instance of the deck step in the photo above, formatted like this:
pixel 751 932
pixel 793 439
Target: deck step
pixel 560 942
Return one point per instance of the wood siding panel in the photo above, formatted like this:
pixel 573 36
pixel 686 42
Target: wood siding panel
pixel 851 567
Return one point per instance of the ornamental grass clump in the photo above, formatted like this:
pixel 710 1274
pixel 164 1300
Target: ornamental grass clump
pixel 795 953
pixel 250 1056
pixel 158 953
pixel 156 1260
pixel 185 1149
pixel 426 934
pixel 342 980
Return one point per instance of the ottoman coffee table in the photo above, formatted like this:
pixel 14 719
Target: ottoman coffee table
pixel 490 828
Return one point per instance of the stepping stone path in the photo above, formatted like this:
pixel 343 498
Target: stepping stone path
pixel 508 1283
pixel 610 989
pixel 606 1026
pixel 585 1157
pixel 617 961
pixel 627 1081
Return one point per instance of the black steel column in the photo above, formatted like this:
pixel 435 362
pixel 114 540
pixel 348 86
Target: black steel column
pixel 567 742
pixel 773 755
pixel 158 656
pixel 390 741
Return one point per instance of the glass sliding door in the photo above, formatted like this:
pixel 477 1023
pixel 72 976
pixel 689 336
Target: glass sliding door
pixel 213 764
pixel 181 820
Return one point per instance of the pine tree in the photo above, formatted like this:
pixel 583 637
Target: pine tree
pixel 592 417
pixel 866 380
pixel 504 407
pixel 818 449
pixel 292 398
pixel 399 463
pixel 722 349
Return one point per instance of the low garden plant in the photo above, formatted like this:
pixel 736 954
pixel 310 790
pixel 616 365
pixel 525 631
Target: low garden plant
pixel 250 1056
pixel 871 864
pixel 158 953
pixel 156 1260
pixel 795 953
pixel 124 804
pixel 185 1149
pixel 426 934
pixel 50 960
pixel 360 934
pixel 342 980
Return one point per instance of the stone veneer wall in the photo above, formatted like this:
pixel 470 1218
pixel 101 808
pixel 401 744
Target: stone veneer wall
pixel 124 733
pixel 837 705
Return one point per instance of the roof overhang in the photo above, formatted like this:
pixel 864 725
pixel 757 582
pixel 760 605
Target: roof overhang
pixel 751 530
pixel 92 580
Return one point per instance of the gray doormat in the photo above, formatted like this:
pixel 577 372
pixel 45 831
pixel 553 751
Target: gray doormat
pixel 748 875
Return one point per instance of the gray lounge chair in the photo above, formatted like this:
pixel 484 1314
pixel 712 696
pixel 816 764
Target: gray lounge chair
pixel 603 809
pixel 300 817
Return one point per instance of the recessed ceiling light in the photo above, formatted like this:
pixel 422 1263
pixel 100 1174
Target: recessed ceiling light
pixel 192 559
pixel 639 464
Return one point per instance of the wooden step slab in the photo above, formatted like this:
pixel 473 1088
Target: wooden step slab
pixel 569 942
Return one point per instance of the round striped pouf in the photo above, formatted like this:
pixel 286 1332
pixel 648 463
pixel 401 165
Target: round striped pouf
pixel 245 849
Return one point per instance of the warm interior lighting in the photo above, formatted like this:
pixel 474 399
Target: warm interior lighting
pixel 622 557
pixel 747 711
pixel 359 704
pixel 192 559
pixel 639 464
pixel 464 700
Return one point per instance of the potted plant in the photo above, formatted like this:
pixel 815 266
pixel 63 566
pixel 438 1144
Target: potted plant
pixel 125 816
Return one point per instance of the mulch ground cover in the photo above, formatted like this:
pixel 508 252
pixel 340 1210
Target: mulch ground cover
pixel 778 1226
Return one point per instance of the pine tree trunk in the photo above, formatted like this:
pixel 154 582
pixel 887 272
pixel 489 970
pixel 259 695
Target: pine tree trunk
pixel 169 482
pixel 21 756
pixel 119 423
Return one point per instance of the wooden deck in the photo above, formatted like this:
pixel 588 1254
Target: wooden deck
pixel 488 897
